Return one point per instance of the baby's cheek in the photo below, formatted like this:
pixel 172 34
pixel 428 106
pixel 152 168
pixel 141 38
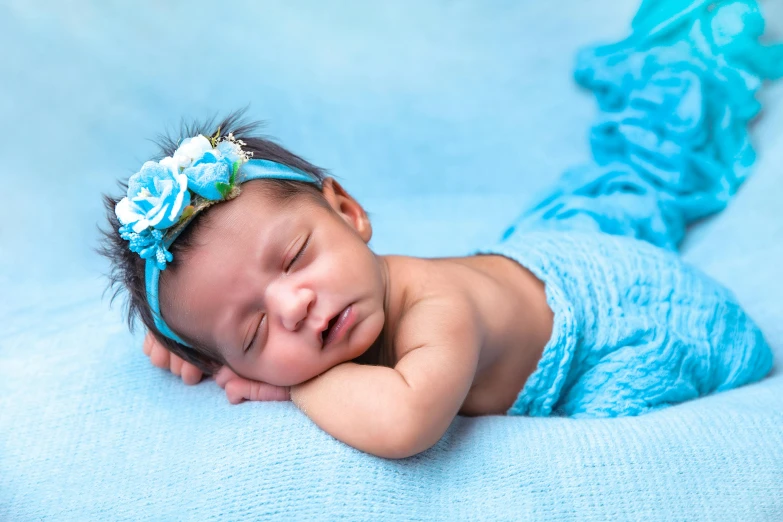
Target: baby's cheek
pixel 289 367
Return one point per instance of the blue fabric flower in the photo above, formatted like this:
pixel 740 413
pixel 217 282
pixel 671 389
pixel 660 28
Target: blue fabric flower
pixel 230 150
pixel 209 174
pixel 161 191
pixel 156 198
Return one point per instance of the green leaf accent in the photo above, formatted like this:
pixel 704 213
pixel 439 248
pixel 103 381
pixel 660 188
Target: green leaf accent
pixel 223 188
pixel 214 139
pixel 233 178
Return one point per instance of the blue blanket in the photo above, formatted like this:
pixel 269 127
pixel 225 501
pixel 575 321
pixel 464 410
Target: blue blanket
pixel 89 430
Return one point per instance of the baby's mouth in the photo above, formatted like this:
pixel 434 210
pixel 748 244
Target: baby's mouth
pixel 330 324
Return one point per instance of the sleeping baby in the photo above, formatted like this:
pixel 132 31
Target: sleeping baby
pixel 247 262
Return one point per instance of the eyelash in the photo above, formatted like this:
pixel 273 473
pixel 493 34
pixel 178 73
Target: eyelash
pixel 298 254
pixel 255 334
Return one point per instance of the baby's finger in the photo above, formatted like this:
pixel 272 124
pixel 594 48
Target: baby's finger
pixel 159 356
pixel 147 345
pixel 261 391
pixel 224 375
pixel 236 390
pixel 191 374
pixel 175 364
pixel 240 389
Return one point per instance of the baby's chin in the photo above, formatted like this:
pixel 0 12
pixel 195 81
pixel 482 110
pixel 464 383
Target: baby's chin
pixel 365 334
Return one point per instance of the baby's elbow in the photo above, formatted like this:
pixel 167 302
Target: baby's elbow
pixel 405 440
pixel 397 447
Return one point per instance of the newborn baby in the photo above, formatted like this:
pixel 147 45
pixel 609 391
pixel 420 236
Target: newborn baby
pixel 273 281
pixel 245 261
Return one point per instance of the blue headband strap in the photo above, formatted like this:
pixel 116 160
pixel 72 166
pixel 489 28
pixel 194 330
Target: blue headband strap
pixel 250 170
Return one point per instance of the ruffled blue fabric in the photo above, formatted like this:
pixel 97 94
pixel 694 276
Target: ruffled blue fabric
pixel 671 143
pixel 636 329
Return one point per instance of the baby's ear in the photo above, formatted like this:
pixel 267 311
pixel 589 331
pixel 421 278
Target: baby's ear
pixel 347 208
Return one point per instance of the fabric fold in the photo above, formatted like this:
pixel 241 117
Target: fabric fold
pixel 670 145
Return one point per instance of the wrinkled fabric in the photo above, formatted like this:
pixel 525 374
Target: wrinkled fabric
pixel 635 329
pixel 671 142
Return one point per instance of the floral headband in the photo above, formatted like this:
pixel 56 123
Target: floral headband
pixel 165 196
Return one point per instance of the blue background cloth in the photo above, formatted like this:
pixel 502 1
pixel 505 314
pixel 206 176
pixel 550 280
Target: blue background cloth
pixel 444 119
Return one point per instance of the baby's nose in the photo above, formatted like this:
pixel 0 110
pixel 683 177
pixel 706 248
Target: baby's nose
pixel 295 307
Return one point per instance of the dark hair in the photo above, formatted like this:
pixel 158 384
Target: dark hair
pixel 127 268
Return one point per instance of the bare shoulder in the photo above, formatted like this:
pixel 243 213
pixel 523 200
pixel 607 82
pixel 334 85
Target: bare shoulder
pixel 445 317
pixel 439 345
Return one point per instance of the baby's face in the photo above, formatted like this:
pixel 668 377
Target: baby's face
pixel 264 282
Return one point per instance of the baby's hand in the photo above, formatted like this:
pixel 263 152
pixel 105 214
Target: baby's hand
pixel 239 389
pixel 162 358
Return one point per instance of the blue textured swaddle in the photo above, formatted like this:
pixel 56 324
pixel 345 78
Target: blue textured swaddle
pixel 635 328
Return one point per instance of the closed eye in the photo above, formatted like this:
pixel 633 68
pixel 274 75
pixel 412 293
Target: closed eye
pixel 255 334
pixel 298 254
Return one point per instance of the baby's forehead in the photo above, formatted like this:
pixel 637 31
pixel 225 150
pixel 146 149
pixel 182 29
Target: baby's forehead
pixel 253 224
pixel 248 213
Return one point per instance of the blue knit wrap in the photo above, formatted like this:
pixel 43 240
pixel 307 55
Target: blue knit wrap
pixel 635 328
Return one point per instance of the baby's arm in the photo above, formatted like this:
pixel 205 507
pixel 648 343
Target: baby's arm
pixel 398 412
